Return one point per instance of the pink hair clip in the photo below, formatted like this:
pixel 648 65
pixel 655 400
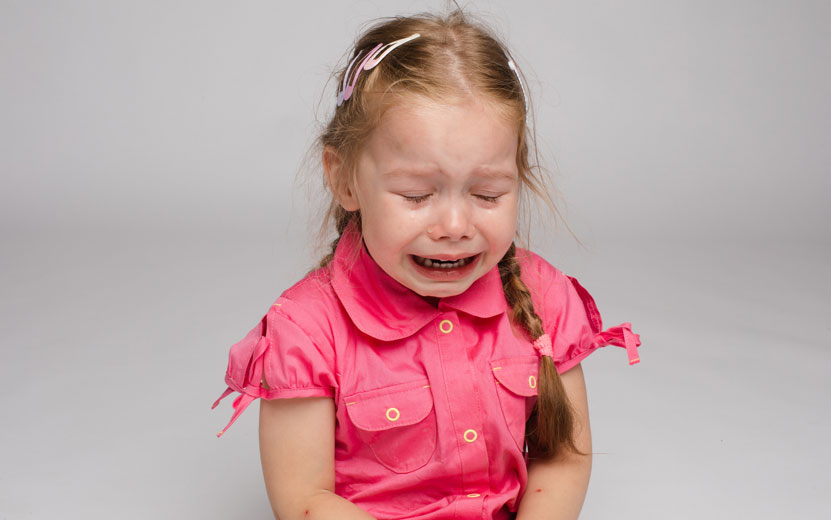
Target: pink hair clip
pixel 543 345
pixel 370 61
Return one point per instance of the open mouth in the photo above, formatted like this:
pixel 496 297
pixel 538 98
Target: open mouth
pixel 433 263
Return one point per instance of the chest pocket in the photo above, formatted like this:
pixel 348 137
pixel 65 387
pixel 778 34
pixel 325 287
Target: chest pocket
pixel 516 385
pixel 397 422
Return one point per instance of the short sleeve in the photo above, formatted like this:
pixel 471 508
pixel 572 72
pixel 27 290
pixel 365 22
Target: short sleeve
pixel 291 361
pixel 571 318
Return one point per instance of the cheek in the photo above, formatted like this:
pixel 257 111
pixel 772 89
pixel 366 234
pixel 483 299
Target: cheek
pixel 504 227
pixel 382 217
pixel 505 217
pixel 385 233
pixel 394 217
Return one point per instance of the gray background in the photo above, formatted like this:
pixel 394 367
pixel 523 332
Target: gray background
pixel 149 217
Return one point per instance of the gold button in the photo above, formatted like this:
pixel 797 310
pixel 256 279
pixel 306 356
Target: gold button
pixel 470 435
pixel 393 414
pixel 473 495
pixel 532 381
pixel 446 326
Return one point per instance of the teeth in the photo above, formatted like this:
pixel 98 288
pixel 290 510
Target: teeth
pixel 441 264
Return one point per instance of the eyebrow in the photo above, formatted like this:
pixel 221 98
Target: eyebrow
pixel 488 173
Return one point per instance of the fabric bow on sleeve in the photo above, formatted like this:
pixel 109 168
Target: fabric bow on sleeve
pixel 582 336
pixel 620 335
pixel 278 359
pixel 251 387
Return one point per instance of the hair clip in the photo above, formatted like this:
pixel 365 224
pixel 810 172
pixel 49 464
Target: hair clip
pixel 370 61
pixel 514 68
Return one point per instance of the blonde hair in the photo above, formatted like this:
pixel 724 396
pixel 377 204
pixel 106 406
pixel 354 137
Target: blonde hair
pixel 452 57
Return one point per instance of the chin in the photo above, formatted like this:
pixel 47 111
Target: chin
pixel 442 293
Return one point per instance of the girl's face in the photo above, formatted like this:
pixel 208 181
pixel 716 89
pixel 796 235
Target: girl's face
pixel 437 187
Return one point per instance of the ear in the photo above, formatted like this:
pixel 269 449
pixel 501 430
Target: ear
pixel 342 188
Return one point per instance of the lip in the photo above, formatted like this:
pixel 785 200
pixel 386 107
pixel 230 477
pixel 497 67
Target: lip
pixel 447 275
pixel 450 258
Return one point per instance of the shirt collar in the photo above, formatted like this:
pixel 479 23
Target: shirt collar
pixel 386 310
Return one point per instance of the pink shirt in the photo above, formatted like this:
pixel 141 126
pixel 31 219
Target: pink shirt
pixel 431 401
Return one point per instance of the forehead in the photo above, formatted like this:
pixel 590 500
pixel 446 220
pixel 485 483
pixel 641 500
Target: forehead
pixel 469 133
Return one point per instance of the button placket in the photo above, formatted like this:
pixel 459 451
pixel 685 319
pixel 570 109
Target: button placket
pixel 465 404
pixel 446 326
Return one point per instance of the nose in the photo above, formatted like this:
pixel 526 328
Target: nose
pixel 452 222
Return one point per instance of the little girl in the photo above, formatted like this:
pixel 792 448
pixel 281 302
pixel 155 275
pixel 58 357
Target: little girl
pixel 428 368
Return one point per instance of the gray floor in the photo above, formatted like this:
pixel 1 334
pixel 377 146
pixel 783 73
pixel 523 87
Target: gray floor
pixel 148 219
pixel 115 347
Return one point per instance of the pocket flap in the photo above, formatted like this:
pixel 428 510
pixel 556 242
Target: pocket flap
pixel 390 407
pixel 519 375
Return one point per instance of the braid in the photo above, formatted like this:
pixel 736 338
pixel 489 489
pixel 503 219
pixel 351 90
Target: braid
pixel 517 294
pixel 550 427
pixel 342 219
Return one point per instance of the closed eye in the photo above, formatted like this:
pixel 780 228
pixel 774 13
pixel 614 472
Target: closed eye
pixel 488 198
pixel 416 198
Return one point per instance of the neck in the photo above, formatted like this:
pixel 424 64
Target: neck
pixel 432 300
